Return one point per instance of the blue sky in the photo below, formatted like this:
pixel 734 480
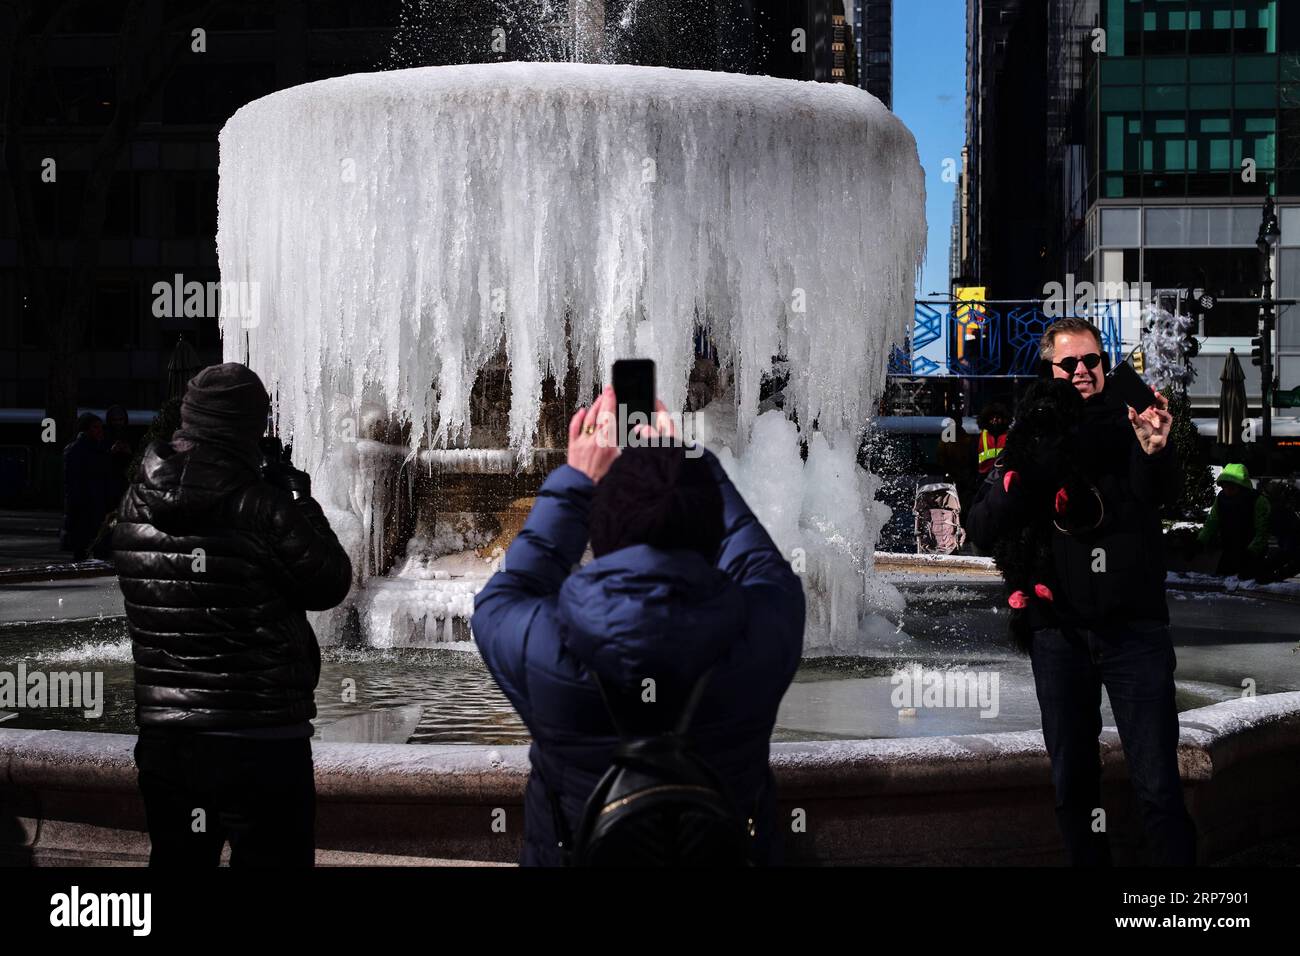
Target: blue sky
pixel 930 97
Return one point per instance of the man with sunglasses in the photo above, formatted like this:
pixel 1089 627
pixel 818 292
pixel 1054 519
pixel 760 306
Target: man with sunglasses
pixel 1106 624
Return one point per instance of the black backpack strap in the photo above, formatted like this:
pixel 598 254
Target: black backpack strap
pixel 692 703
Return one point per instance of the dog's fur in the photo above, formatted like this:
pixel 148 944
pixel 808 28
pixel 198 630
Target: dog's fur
pixel 1042 450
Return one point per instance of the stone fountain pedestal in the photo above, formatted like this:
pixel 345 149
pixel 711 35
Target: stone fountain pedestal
pixel 435 523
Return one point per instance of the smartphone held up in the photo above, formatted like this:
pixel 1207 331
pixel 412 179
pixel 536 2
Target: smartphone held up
pixel 634 389
pixel 1130 387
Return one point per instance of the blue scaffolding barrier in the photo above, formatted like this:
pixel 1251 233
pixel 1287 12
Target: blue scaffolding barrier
pixel 979 341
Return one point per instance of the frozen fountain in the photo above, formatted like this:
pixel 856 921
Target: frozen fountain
pixel 440 263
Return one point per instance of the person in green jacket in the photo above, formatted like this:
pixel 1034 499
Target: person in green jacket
pixel 1238 524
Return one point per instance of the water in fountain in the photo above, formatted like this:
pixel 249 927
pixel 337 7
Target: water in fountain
pixel 691 34
pixel 441 258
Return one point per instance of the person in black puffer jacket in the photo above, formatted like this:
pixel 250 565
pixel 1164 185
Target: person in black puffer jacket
pixel 219 555
pixel 1105 622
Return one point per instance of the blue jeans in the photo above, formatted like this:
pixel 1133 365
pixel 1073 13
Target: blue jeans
pixel 1135 662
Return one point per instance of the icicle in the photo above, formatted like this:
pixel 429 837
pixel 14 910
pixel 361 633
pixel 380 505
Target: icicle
pixel 393 227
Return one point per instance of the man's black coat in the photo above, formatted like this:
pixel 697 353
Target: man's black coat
pixel 218 568
pixel 1116 572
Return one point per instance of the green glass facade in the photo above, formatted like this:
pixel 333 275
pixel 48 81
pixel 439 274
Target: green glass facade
pixel 1169 121
pixel 1187 91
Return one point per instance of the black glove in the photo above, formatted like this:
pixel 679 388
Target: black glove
pixel 278 470
pixel 297 482
pixel 272 455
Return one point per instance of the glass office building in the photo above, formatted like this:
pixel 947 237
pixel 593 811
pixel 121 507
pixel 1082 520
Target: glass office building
pixel 1188 93
pixel 873 25
pixel 1169 122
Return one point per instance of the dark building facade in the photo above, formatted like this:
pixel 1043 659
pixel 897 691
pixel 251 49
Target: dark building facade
pixel 160 215
pixel 805 40
pixel 1170 122
pixel 847 41
pixel 1005 158
pixel 873 27
pixel 109 178
pixel 160 219
pixel 1167 124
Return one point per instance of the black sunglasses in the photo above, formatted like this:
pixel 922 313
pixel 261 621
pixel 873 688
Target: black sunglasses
pixel 1070 363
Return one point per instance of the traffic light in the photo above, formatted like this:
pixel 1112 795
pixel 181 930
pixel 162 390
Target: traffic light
pixel 1257 347
pixel 1195 303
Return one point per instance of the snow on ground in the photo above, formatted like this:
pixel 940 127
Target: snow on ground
pixel 953 560
pixel 1215 585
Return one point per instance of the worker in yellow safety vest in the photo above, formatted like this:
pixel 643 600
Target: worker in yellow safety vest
pixel 993 421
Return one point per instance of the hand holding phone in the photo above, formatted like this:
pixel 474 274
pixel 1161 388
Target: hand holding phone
pixel 591 437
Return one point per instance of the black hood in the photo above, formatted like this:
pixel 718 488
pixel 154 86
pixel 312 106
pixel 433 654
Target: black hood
pixel 225 406
pixel 181 489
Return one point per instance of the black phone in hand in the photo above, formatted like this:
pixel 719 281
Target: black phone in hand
pixel 634 390
pixel 1131 388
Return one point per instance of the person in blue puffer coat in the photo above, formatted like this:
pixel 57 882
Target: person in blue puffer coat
pixel 684 580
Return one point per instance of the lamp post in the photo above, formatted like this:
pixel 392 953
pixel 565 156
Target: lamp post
pixel 1269 236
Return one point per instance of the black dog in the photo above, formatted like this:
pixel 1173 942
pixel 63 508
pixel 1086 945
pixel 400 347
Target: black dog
pixel 1041 455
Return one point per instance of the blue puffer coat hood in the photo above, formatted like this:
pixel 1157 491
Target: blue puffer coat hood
pixel 640 612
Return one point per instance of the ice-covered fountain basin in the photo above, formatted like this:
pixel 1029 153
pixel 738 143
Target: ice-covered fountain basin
pixel 396 227
pixel 1223 641
pixel 452 257
pixel 976 799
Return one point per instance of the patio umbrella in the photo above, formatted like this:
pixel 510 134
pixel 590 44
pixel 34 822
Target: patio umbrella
pixel 181 367
pixel 1232 405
